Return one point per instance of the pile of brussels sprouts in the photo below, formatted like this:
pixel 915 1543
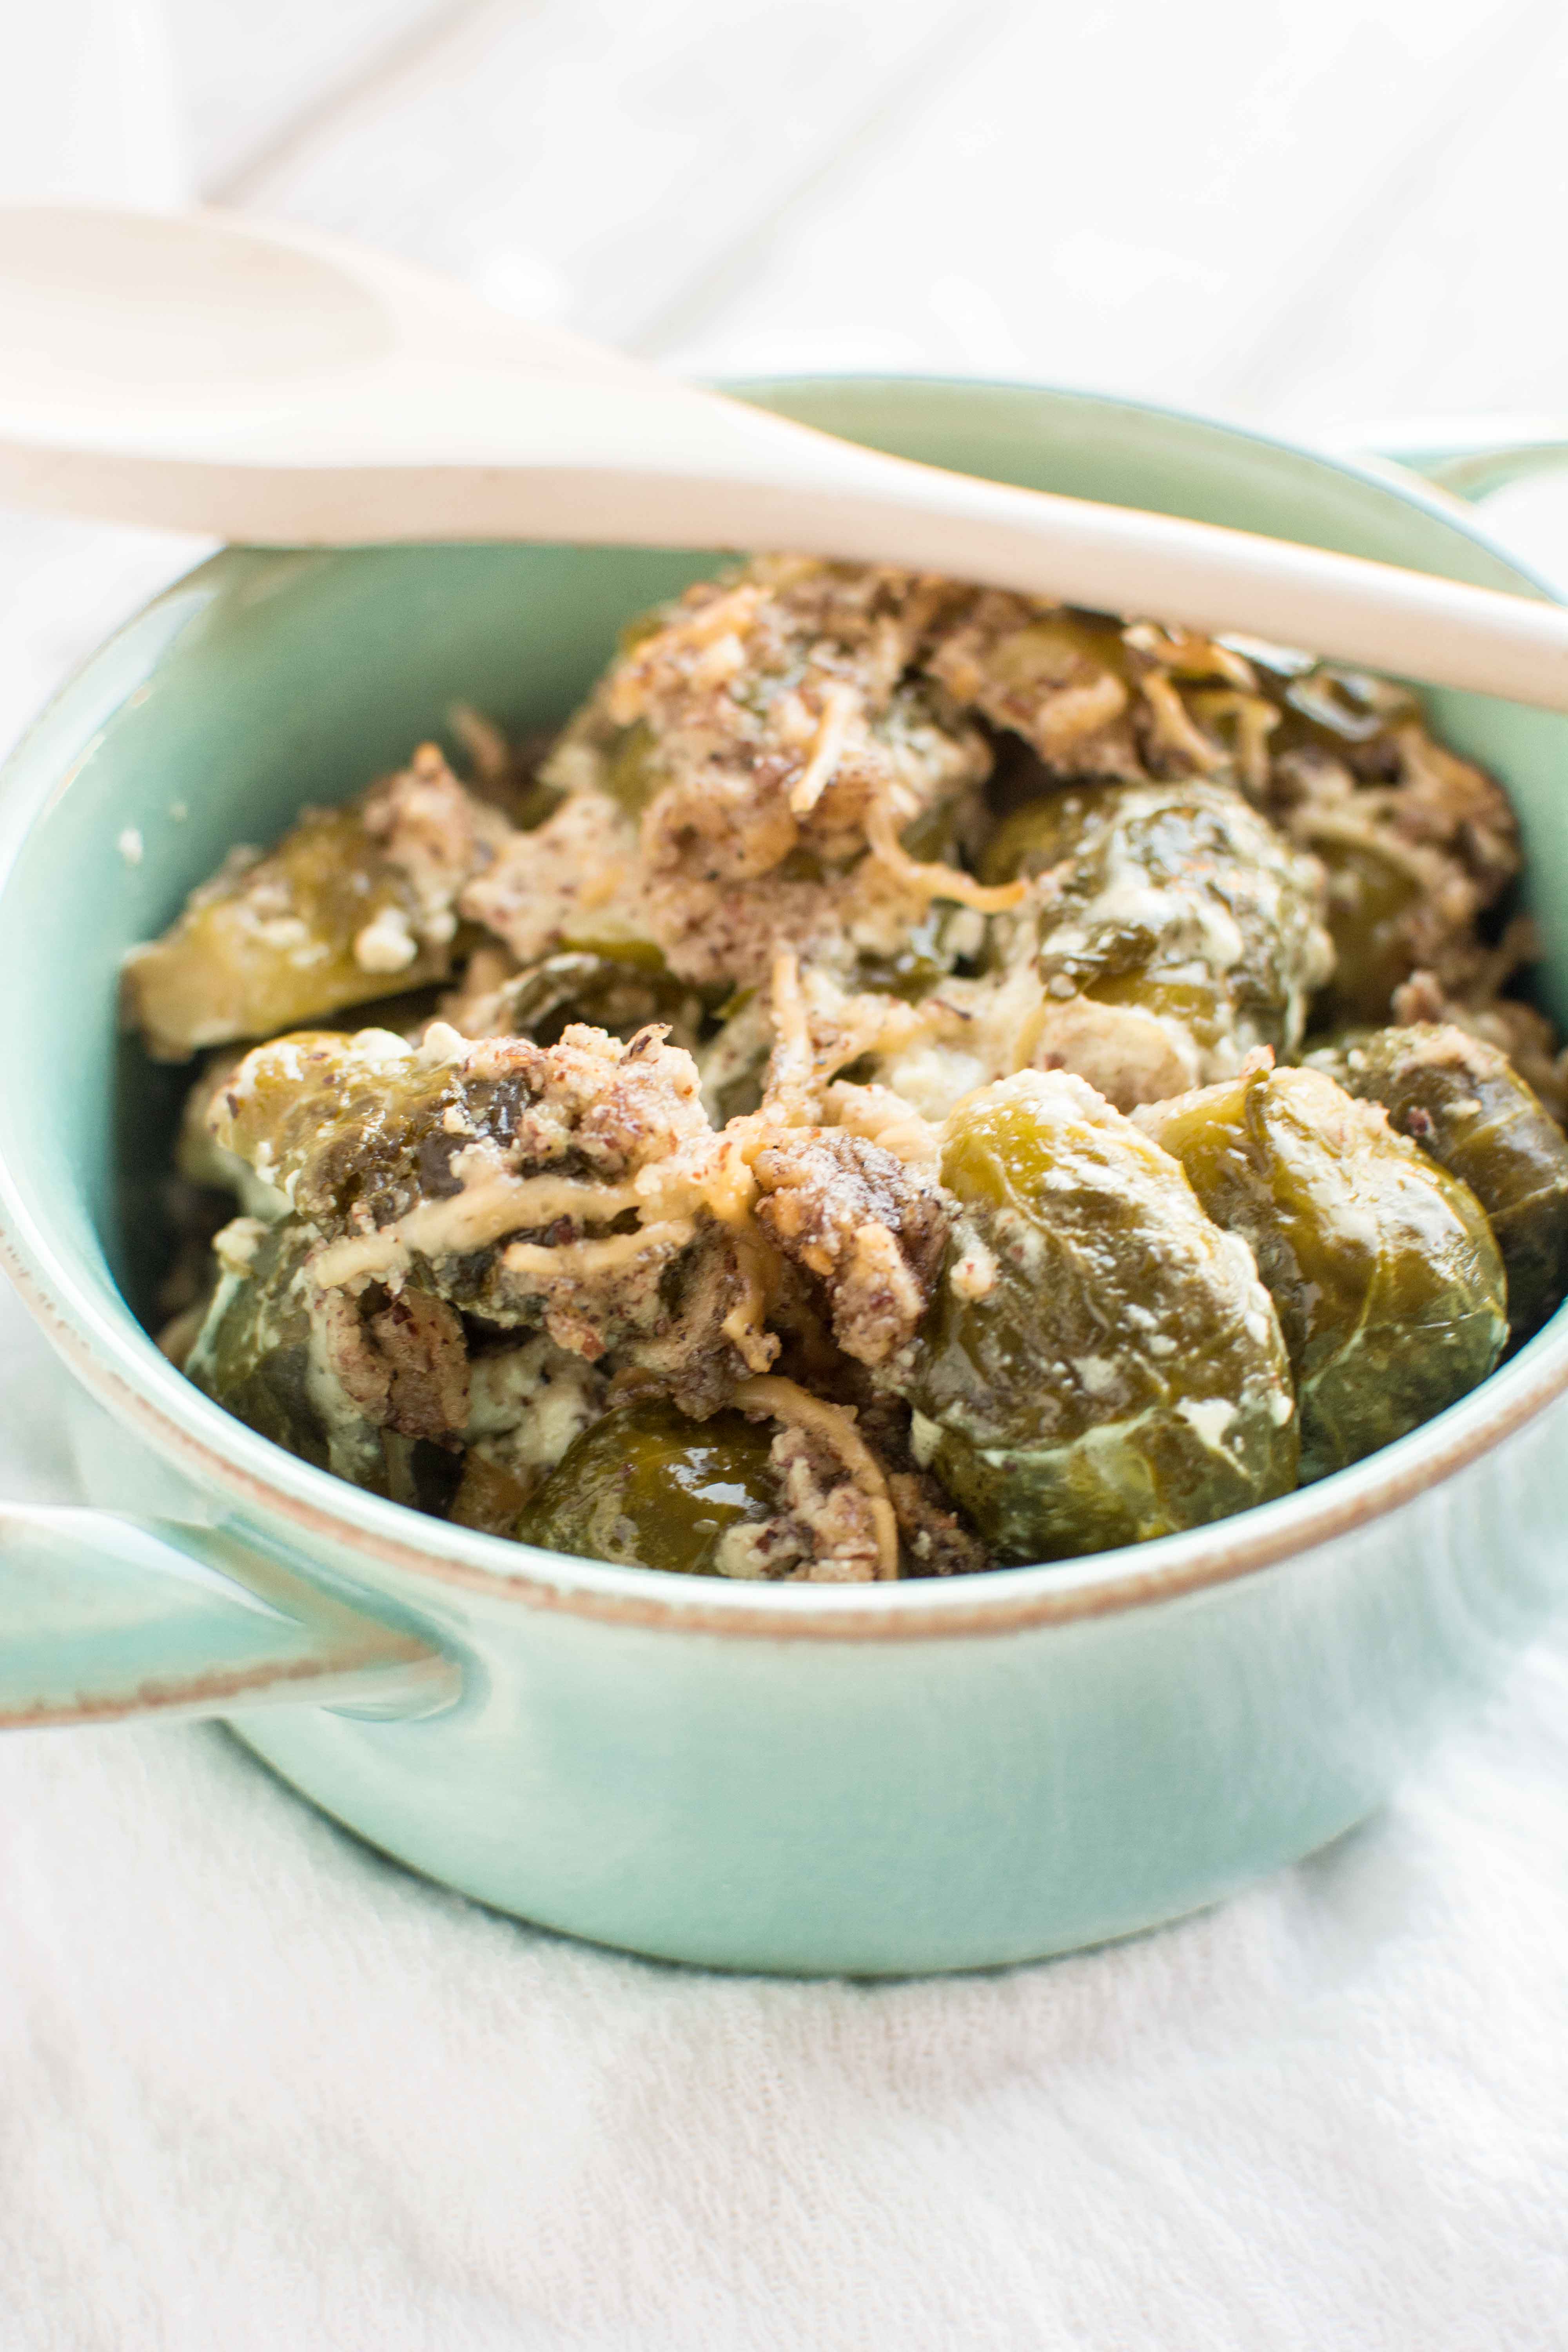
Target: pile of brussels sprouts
pixel 1148 1317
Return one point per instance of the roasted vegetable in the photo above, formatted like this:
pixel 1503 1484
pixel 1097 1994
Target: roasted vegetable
pixel 1464 1103
pixel 272 942
pixel 648 1488
pixel 1381 894
pixel 619 991
pixel 260 1354
pixel 502 1177
pixel 1388 1283
pixel 353 902
pixel 337 1123
pixel 360 1132
pixel 1172 903
pixel 1417 844
pixel 1100 1364
pixel 1326 708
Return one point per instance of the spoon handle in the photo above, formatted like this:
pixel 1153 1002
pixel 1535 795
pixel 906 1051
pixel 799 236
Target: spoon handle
pixel 284 388
pixel 1113 558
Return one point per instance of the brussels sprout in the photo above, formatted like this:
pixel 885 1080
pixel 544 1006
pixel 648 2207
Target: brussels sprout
pixel 1329 709
pixel 1099 1364
pixel 358 1131
pixel 1464 1103
pixel 1375 894
pixel 317 924
pixel 474 1170
pixel 647 1487
pixel 619 991
pixel 1388 1283
pixel 259 1355
pixel 374 1387
pixel 1043 830
pixel 1176 900
pixel 1415 842
pixel 331 1122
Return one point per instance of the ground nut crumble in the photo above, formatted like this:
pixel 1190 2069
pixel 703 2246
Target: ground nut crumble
pixel 832 853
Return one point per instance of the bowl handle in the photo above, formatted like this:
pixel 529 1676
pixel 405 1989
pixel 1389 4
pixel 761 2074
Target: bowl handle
pixel 1469 455
pixel 103 1617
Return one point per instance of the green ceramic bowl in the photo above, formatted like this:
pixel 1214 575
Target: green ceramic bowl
pixel 917 1776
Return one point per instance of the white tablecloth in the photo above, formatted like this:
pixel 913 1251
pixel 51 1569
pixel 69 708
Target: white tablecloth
pixel 259 2088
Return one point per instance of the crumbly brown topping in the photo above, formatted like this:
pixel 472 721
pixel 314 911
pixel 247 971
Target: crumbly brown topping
pixel 868 1226
pixel 404 1363
pixel 742 951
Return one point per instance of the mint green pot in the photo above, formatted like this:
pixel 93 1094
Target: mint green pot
pixel 919 1777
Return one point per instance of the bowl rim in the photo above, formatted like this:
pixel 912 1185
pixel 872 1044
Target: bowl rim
pixel 118 1363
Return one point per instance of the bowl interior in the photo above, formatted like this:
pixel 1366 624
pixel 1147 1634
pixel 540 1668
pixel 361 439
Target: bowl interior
pixel 268 681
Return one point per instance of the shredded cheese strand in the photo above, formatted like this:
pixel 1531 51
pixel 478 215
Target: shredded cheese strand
pixel 1256 720
pixel 1352 832
pixel 1174 725
pixel 792 1066
pixel 786 1401
pixel 837 711
pixel 602 1256
pixel 490 1205
pixel 935 880
pixel 745 1326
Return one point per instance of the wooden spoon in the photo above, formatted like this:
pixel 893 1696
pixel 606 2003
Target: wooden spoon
pixel 285 388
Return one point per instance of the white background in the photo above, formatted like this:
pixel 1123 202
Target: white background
pixel 258 2088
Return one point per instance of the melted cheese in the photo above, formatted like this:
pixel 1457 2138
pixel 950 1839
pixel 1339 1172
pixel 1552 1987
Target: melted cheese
pixel 589 1258
pixel 491 1202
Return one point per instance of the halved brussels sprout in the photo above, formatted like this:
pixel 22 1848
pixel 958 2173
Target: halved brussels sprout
pixel 1464 1103
pixel 648 1487
pixel 1327 707
pixel 259 1355
pixel 1176 900
pixel 271 942
pixel 500 1177
pixel 353 904
pixel 1100 1364
pixel 374 1387
pixel 1388 1283
pixel 335 1121
pixel 358 1131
